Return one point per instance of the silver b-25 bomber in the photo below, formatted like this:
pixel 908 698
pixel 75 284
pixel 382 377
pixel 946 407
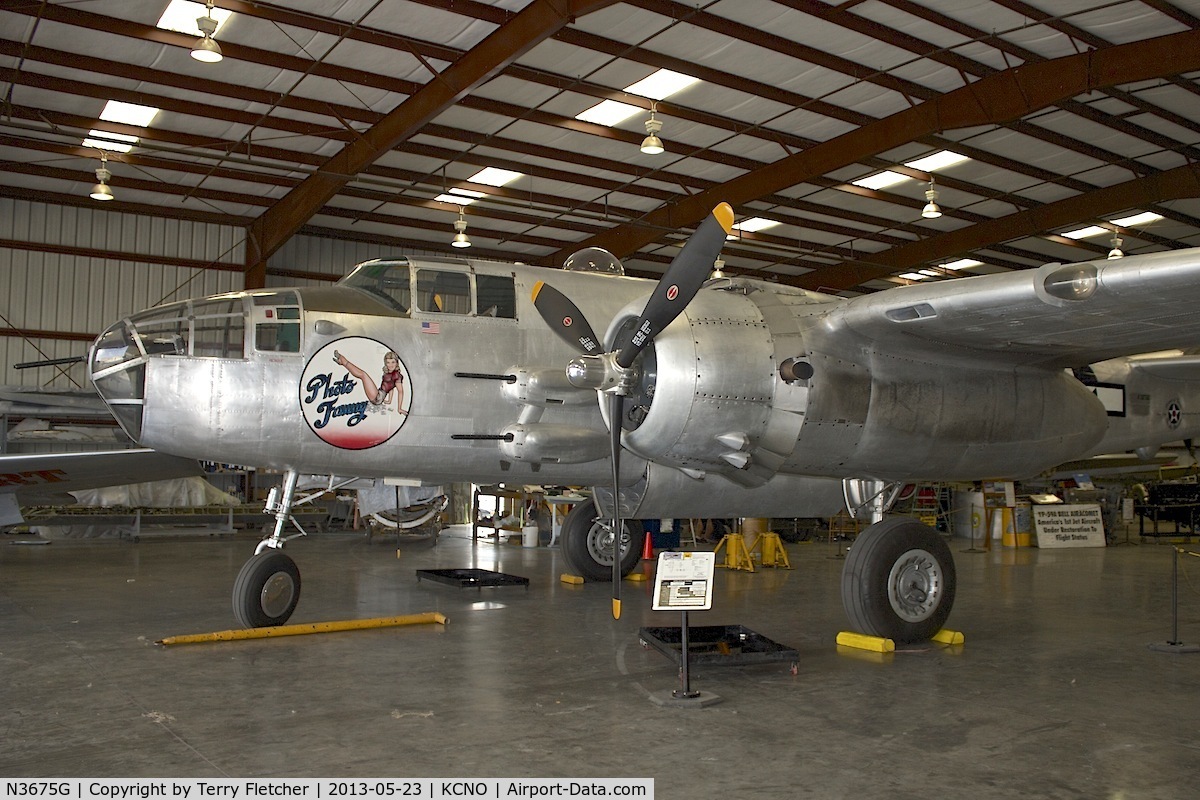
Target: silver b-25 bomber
pixel 702 397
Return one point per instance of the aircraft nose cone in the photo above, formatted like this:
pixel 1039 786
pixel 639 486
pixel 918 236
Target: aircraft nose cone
pixel 117 366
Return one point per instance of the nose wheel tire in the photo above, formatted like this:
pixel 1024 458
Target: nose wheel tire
pixel 587 544
pixel 898 581
pixel 266 590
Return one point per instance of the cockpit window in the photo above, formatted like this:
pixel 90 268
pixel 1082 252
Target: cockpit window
pixel 437 290
pixel 276 323
pixel 447 292
pixel 218 329
pixel 386 280
pixel 497 296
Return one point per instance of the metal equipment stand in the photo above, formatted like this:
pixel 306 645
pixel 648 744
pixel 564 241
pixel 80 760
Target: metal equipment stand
pixel 1174 645
pixel 737 555
pixel 684 697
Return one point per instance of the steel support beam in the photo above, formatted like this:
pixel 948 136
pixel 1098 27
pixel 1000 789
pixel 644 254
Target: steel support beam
pixel 536 22
pixel 997 99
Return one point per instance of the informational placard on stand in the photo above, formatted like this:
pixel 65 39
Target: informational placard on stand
pixel 683 581
pixel 1069 525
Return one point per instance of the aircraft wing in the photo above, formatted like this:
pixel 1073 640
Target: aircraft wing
pixel 47 477
pixel 1059 315
pixel 27 401
pixel 1175 368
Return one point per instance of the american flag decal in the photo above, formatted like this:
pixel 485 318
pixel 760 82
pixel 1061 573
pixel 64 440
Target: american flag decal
pixel 431 327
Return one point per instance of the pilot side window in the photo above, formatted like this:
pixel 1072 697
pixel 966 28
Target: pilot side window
pixel 218 329
pixel 497 296
pixel 445 292
pixel 276 322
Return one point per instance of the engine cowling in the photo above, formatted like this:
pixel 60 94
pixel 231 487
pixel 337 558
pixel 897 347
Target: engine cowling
pixel 711 396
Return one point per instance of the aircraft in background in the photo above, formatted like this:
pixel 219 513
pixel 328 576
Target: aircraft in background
pixel 726 397
pixel 48 478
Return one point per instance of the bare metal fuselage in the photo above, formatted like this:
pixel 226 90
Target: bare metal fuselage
pixel 750 404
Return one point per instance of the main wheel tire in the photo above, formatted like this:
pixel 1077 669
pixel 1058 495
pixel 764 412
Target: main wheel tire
pixel 266 590
pixel 899 581
pixel 587 544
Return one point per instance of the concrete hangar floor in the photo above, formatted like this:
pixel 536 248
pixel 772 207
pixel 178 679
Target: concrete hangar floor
pixel 1054 694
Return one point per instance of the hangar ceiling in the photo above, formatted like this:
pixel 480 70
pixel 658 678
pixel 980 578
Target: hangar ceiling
pixel 1066 123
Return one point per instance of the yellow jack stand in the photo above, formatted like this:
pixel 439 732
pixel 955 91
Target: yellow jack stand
pixel 771 547
pixel 736 554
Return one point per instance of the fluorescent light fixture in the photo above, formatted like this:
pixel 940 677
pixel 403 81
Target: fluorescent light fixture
pixel 661 84
pixel 914 276
pixel 936 161
pixel 1137 220
pixel 116 142
pixel 755 224
pixel 881 180
pixel 1083 233
pixel 962 263
pixel 608 112
pixel 494 176
pixel 181 16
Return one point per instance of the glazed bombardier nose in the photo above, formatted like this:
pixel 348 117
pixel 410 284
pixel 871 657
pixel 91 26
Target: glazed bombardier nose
pixel 117 366
pixel 208 328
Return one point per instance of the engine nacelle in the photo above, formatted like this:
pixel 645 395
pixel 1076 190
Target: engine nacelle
pixel 711 397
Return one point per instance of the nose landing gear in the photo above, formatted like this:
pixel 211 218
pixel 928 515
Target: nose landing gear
pixel 267 588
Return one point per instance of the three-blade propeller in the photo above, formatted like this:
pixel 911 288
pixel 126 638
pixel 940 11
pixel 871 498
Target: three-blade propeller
pixel 678 285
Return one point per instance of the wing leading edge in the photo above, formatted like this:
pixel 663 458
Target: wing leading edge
pixel 41 477
pixel 1059 315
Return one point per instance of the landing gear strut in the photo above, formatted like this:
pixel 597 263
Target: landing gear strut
pixel 268 587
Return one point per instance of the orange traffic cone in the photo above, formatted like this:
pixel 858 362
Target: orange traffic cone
pixel 648 547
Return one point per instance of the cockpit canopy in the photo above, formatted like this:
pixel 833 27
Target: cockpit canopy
pixel 440 286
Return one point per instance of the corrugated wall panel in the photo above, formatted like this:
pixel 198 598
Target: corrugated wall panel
pixel 83 294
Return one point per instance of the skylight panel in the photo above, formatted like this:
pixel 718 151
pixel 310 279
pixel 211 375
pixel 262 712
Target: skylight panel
pixel 754 224
pixel 114 142
pixel 181 15
pixel 914 276
pixel 881 180
pixel 608 112
pixel 936 161
pixel 463 197
pixel 962 263
pixel 494 176
pixel 661 84
pixel 1083 233
pixel 656 86
pixel 1137 220
pixel 126 114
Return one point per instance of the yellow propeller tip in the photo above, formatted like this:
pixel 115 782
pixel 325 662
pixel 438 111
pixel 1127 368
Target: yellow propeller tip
pixel 724 214
pixel 616 609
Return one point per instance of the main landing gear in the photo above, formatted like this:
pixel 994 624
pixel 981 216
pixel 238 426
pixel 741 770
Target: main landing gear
pixel 587 544
pixel 898 582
